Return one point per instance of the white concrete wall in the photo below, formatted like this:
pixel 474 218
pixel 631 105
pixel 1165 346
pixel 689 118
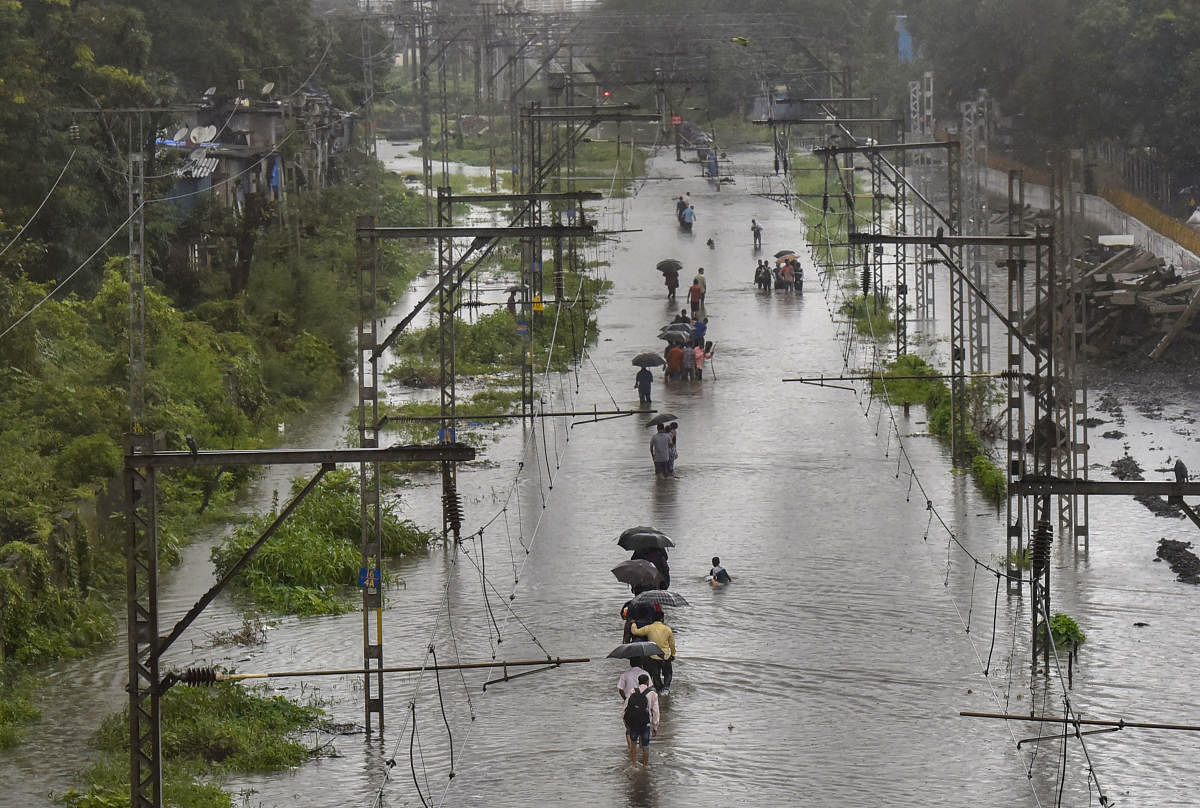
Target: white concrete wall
pixel 1104 217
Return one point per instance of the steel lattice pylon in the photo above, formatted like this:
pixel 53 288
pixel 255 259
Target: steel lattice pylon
pixel 1015 467
pixel 974 160
pixel 900 226
pixel 1070 386
pixel 958 403
pixel 447 320
pixel 370 507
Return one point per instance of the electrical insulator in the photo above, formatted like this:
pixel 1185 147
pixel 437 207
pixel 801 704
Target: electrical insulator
pixel 199 676
pixel 73 133
pixel 1039 551
pixel 866 280
pixel 452 510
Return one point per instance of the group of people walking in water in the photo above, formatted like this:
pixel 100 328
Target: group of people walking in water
pixel 787 276
pixel 650 677
pixel 645 686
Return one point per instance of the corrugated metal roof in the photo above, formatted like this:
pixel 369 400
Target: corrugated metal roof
pixel 196 169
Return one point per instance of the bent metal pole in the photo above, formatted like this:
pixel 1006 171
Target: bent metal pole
pixel 208 676
pixel 1087 722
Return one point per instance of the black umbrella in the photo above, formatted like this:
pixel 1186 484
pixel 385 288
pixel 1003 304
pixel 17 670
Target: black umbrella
pixel 634 650
pixel 662 418
pixel 643 538
pixel 516 287
pixel 669 265
pixel 680 327
pixel 674 336
pixel 662 597
pixel 782 253
pixel 637 572
pixel 649 360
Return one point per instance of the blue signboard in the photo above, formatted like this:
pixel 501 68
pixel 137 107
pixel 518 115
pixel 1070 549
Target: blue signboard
pixel 373 576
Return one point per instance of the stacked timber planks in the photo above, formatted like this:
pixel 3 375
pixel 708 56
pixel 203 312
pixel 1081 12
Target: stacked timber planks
pixel 1130 299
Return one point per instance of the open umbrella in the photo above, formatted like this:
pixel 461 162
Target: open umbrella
pixel 643 538
pixel 662 418
pixel 674 336
pixel 634 650
pixel 669 265
pixel 662 597
pixel 639 572
pixel 649 360
pixel 680 327
pixel 782 253
pixel 516 287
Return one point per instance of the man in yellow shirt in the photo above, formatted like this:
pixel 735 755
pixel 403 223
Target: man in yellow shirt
pixel 659 665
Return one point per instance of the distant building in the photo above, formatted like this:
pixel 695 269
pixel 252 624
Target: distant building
pixel 235 147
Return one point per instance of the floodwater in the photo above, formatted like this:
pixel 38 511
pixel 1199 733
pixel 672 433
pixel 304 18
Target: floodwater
pixel 831 672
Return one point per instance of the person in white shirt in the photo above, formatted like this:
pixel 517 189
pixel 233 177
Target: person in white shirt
pixel 641 718
pixel 629 678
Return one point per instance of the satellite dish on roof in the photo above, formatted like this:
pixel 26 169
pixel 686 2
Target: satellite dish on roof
pixel 268 87
pixel 197 134
pixel 180 134
pixel 210 91
pixel 197 155
pixel 210 132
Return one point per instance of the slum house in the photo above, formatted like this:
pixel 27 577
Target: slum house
pixel 248 155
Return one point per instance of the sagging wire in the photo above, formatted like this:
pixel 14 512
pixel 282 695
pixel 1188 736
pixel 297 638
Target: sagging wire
pixel 458 659
pixel 971 605
pixel 487 602
pixel 987 669
pixel 412 760
pixel 21 230
pixel 61 285
pixel 1070 714
pixel 437 674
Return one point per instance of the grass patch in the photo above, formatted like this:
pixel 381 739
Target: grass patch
pixel 16 705
pixel 206 733
pixel 934 394
pixel 871 319
pixel 311 565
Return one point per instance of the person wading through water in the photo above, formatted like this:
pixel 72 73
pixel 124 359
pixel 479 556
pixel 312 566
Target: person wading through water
pixel 641 719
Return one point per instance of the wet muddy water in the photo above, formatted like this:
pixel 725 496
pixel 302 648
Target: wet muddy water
pixel 831 671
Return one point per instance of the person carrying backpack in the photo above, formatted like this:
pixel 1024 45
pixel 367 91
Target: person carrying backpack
pixel 641 718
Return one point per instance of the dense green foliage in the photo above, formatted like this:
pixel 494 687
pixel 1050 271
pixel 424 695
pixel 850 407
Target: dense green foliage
pixel 311 563
pixel 206 731
pixel 1062 74
pixel 1066 631
pixel 227 371
pixel 1073 71
pixel 934 395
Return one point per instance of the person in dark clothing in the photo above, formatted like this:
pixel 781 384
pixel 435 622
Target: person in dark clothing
pixel 671 281
pixel 658 557
pixel 718 575
pixel 642 382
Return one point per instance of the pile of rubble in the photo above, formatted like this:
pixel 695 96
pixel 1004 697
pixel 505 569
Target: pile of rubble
pixel 1132 300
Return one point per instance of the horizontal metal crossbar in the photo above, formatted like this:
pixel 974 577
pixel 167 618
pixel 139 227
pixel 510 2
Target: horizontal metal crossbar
pixel 1083 722
pixel 1035 486
pixel 954 241
pixel 546 196
pixel 279 457
pixel 942 144
pixel 463 231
